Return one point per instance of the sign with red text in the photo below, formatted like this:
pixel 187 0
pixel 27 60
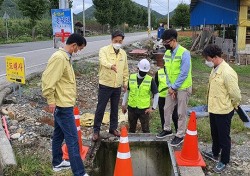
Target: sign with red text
pixel 15 69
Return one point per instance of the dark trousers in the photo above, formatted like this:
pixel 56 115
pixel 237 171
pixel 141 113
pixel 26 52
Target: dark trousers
pixel 105 93
pixel 161 104
pixel 133 117
pixel 65 128
pixel 220 131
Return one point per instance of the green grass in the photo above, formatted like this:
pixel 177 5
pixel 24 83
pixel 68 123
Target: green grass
pixel 29 164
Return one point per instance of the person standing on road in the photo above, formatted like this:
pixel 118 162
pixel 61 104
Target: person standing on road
pixel 223 97
pixel 140 88
pixel 160 80
pixel 113 74
pixel 179 80
pixel 59 88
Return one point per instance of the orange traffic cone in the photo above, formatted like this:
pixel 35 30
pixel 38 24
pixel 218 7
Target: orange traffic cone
pixel 123 165
pixel 82 149
pixel 190 155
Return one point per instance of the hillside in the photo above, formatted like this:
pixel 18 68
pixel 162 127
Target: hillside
pixel 89 13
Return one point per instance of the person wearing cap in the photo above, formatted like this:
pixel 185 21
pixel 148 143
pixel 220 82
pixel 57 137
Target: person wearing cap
pixel 113 74
pixel 160 80
pixel 179 80
pixel 223 97
pixel 138 97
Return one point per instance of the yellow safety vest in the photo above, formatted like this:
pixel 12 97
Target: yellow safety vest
pixel 162 88
pixel 139 97
pixel 173 67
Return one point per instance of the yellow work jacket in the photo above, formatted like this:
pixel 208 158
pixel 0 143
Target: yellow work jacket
pixel 224 93
pixel 107 58
pixel 58 80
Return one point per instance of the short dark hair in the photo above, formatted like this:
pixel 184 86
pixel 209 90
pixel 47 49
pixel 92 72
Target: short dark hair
pixel 76 38
pixel 117 33
pixel 169 34
pixel 212 51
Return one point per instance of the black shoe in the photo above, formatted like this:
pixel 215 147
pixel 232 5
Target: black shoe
pixel 164 134
pixel 210 156
pixel 176 141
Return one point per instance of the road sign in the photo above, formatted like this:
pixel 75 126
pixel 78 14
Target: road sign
pixel 15 69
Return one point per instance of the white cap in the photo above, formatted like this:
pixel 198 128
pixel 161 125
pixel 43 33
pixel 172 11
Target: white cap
pixel 144 65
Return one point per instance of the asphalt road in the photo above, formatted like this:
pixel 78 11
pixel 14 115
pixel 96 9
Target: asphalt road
pixel 36 54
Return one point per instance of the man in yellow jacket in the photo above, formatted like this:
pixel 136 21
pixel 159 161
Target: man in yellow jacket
pixel 59 88
pixel 113 74
pixel 223 97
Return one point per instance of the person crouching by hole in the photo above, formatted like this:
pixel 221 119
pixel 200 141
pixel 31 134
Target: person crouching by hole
pixel 138 97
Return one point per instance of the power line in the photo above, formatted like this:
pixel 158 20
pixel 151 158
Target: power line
pixel 215 5
pixel 162 6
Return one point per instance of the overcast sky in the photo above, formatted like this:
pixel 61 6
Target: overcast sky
pixel 160 6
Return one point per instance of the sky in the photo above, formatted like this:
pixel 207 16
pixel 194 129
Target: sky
pixel 161 6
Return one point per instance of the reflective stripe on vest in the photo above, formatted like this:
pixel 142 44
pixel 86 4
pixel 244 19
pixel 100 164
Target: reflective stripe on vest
pixel 162 83
pixel 139 97
pixel 173 67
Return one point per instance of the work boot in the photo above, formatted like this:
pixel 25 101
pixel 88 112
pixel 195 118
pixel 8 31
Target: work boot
pixel 95 136
pixel 115 133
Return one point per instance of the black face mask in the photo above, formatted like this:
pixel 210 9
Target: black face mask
pixel 168 47
pixel 142 74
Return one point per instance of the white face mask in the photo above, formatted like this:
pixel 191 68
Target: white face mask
pixel 209 63
pixel 76 54
pixel 117 45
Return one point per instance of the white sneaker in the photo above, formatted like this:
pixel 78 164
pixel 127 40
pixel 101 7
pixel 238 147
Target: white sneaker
pixel 63 165
pixel 86 174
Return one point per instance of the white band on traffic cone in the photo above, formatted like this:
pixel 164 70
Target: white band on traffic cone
pixel 77 116
pixel 123 140
pixel 78 128
pixel 123 155
pixel 192 133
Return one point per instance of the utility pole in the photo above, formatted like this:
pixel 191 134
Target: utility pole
pixel 149 18
pixel 83 17
pixel 168 14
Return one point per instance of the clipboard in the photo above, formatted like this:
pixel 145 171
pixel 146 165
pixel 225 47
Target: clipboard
pixel 242 114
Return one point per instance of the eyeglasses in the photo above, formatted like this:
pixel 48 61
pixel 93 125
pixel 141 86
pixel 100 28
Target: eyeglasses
pixel 166 41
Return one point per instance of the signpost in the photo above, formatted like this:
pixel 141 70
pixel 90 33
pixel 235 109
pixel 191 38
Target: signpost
pixel 15 71
pixel 62 24
pixel 6 17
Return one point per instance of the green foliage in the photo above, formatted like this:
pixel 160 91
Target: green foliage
pixel 185 42
pixel 181 17
pixel 29 164
pixel 1 1
pixel 20 30
pixel 34 10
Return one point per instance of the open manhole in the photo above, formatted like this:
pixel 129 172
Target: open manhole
pixel 150 157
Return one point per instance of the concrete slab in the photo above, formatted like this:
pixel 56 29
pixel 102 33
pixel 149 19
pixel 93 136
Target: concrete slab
pixel 7 156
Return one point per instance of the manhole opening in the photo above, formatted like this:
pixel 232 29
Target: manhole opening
pixel 149 158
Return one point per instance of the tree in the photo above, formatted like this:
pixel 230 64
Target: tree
pixel 111 12
pixel 1 2
pixel 181 17
pixel 34 10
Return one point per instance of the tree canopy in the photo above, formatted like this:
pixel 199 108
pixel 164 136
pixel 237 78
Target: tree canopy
pixel 115 12
pixel 181 17
pixel 34 10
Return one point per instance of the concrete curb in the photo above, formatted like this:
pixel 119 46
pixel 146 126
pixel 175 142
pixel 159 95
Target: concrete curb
pixel 7 156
